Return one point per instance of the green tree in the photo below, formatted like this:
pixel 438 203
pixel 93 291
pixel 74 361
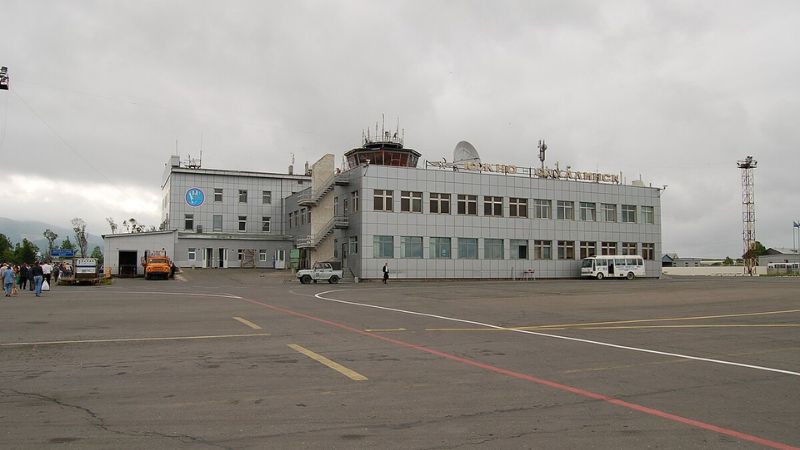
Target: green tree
pixel 25 252
pixel 728 261
pixel 51 237
pixel 755 251
pixel 66 244
pixel 6 248
pixel 97 254
pixel 79 227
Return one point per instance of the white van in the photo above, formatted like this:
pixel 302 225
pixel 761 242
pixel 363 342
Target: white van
pixel 614 266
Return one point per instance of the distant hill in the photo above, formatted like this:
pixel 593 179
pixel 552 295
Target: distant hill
pixel 16 230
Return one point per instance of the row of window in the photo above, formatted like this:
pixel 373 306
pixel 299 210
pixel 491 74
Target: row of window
pixel 266 196
pixel 439 203
pixel 441 248
pixel 192 254
pixel 216 223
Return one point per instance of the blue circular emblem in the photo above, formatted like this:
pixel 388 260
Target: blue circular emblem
pixel 195 197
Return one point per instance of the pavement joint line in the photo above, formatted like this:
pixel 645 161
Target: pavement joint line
pixel 188 294
pixel 248 323
pixel 349 373
pixel 556 336
pixel 536 380
pixel 145 339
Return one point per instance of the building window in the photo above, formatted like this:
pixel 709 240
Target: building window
pixel 517 207
pixel 588 248
pixel 608 212
pixel 411 201
pixel 648 214
pixel 353 245
pixel 440 203
pixel 492 206
pixel 467 248
pixel 382 200
pixel 629 213
pixel 192 254
pixel 345 206
pixel 291 215
pixel 303 214
pixel 216 222
pixel 542 209
pixel 440 248
pixel 468 205
pixel 608 248
pixel 266 197
pixel 543 249
pixel 383 246
pixel 565 210
pixel 242 196
pixel 411 246
pixel 493 249
pixel 335 206
pixel 217 194
pixel 649 251
pixel 629 248
pixel 242 223
pixel 354 198
pixel 519 249
pixel 188 221
pixel 240 254
pixel 588 211
pixel 262 255
pixel 566 249
pixel 265 224
pixel 335 249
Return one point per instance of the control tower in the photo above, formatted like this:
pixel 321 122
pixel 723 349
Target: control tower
pixel 384 148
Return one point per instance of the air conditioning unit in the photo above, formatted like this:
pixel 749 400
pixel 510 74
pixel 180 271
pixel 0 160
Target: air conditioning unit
pixel 199 228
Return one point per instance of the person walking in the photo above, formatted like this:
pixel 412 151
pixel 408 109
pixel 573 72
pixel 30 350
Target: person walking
pixel 8 278
pixel 16 280
pixel 36 271
pixel 47 270
pixel 385 272
pixel 56 272
pixel 23 276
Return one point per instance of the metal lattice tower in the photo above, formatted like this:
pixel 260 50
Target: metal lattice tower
pixel 748 214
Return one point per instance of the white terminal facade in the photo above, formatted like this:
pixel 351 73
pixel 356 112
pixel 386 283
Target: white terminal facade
pixel 464 219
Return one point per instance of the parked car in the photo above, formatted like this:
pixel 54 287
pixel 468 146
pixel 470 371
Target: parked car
pixel 321 271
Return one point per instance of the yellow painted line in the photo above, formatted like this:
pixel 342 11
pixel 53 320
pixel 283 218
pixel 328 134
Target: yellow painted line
pixel 248 323
pixel 353 375
pixel 93 341
pixel 637 327
pixel 378 330
pixel 720 316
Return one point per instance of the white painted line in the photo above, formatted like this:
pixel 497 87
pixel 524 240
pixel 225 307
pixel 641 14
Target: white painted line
pixel 94 341
pixel 555 336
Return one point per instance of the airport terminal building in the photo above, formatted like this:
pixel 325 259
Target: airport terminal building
pixel 428 220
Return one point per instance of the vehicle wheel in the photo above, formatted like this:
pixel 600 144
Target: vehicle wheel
pixel 305 279
pixel 630 276
pixel 599 276
pixel 333 279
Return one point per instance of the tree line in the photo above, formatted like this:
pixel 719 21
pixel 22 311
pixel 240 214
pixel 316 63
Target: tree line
pixel 27 252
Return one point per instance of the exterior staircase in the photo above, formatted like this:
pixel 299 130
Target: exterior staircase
pixel 313 240
pixel 312 197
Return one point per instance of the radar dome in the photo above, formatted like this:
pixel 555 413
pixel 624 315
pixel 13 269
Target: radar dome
pixel 465 152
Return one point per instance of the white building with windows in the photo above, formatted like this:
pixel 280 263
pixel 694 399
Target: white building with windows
pixel 468 219
pixel 213 219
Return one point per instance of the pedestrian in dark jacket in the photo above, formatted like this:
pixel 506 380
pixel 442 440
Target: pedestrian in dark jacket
pixel 38 276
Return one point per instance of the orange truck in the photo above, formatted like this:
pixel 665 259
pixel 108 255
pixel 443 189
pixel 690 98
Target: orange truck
pixel 157 265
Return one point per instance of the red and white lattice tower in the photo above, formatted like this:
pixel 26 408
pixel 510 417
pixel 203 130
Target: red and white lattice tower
pixel 748 214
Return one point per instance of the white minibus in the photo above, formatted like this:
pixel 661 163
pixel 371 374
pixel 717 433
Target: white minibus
pixel 614 266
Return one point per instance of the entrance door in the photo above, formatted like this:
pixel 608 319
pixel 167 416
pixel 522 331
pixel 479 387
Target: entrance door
pixel 208 263
pixel 223 258
pixel 128 263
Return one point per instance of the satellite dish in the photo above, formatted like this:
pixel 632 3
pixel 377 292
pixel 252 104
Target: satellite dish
pixel 465 152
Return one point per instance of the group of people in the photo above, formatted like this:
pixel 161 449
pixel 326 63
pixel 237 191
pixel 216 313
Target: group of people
pixel 19 277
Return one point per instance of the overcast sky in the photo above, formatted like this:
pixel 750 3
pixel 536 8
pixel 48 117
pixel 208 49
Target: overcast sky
pixel 674 91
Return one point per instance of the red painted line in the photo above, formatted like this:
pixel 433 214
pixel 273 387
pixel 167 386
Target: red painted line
pixel 541 381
